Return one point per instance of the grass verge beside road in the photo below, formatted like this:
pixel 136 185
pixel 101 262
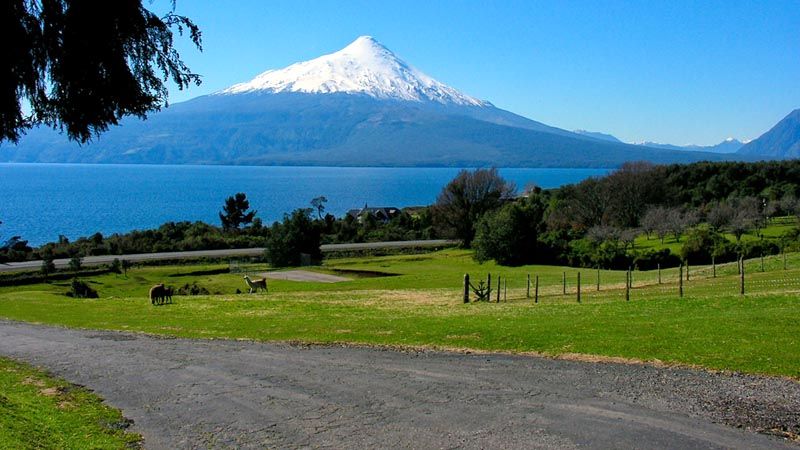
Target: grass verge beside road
pixel 37 411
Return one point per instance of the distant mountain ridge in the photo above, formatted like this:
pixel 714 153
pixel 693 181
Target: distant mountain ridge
pixel 598 135
pixel 729 145
pixel 360 106
pixel 781 142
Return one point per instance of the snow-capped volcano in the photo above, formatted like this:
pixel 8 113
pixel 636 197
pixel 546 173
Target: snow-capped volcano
pixel 360 106
pixel 363 67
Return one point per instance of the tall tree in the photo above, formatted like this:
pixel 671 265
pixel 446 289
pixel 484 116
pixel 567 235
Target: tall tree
pixel 746 217
pixel 720 215
pixel 630 189
pixel 235 212
pixel 580 206
pixel 659 218
pixel 510 235
pixel 466 199
pixel 319 204
pixel 296 235
pixel 81 65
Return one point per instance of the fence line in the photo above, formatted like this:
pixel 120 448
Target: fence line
pixel 679 281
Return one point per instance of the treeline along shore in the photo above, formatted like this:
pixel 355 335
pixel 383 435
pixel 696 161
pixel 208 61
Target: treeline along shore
pixel 640 215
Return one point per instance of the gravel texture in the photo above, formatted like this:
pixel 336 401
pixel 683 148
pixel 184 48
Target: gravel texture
pixel 214 393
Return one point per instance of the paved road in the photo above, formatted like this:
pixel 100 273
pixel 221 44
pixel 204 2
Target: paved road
pixel 107 259
pixel 194 393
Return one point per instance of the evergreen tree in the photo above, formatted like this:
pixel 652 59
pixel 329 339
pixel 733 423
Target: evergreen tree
pixel 319 204
pixel 48 266
pixel 235 212
pixel 82 65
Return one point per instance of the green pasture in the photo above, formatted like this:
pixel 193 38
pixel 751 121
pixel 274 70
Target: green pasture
pixel 416 300
pixel 37 411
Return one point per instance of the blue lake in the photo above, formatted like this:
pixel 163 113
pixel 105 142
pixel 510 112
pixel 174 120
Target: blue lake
pixel 42 201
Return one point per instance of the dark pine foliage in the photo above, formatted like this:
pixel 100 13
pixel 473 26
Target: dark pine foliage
pixel 81 65
pixel 235 212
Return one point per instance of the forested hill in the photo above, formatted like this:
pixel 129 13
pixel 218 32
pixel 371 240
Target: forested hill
pixel 699 183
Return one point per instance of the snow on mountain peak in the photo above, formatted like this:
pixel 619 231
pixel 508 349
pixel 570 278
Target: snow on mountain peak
pixel 363 67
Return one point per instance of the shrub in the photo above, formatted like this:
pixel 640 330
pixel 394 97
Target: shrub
pixel 79 289
pixel 116 266
pixel 702 244
pixel 652 259
pixel 75 263
pixel 754 249
pixel 192 289
pixel 48 266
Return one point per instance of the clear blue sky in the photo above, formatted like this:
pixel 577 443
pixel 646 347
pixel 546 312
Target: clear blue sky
pixel 668 71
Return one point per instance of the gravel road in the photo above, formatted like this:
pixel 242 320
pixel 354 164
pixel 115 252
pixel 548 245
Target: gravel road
pixel 197 393
pixel 304 275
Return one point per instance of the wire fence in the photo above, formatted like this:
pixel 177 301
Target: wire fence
pixel 762 276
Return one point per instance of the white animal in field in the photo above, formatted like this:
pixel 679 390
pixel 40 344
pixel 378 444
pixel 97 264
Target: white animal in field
pixel 255 285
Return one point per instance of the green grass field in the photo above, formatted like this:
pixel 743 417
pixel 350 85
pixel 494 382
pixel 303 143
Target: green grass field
pixel 37 411
pixel 421 305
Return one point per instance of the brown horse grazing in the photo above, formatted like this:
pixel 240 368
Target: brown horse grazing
pixel 168 291
pixel 157 294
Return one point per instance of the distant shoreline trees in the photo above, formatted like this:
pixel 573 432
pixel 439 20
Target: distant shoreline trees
pixel 578 225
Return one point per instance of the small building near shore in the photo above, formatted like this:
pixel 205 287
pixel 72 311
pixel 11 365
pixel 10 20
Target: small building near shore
pixel 379 213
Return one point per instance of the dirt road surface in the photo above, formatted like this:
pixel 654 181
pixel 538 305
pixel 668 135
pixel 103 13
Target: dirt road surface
pixel 304 275
pixel 197 394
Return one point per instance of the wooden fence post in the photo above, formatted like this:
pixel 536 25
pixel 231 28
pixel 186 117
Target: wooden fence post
pixel 628 286
pixel 741 276
pixel 536 291
pixel 714 266
pixel 579 287
pixel 489 287
pixel 528 289
pixel 564 283
pixel 505 289
pixel 659 273
pixel 680 281
pixel 466 288
pixel 598 278
pixel 499 287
